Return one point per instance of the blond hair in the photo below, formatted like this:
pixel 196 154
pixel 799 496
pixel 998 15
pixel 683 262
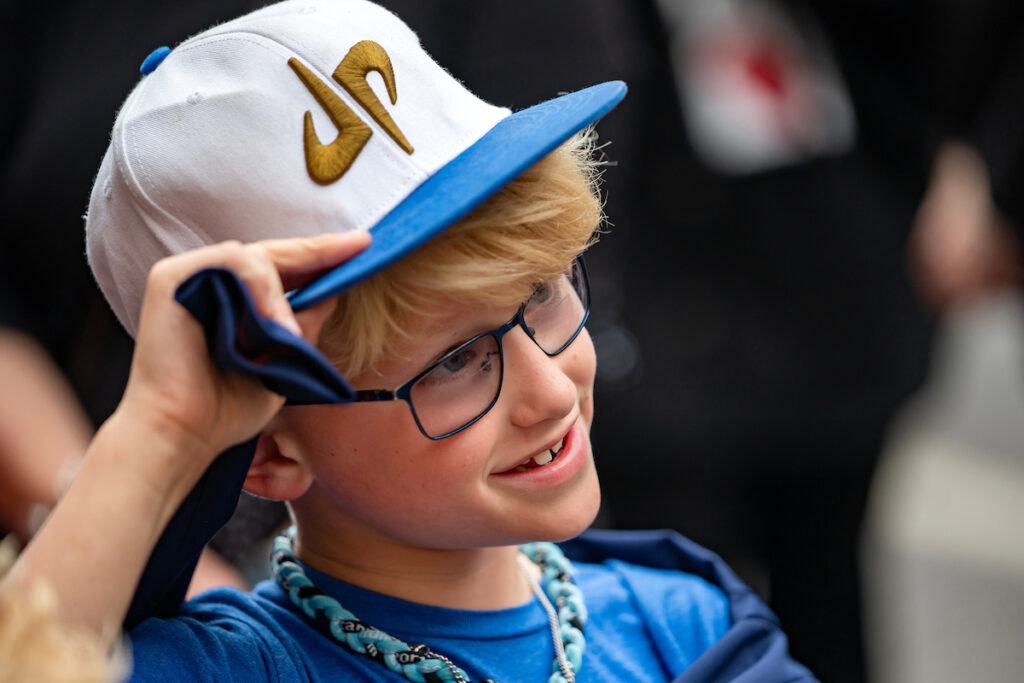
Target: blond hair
pixel 526 233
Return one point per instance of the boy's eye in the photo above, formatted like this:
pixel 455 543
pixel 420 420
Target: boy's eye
pixel 541 293
pixel 453 367
pixel 458 361
pixel 468 364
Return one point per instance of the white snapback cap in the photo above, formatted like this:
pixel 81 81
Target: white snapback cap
pixel 305 117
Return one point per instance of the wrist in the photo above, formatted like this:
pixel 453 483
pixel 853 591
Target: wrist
pixel 159 457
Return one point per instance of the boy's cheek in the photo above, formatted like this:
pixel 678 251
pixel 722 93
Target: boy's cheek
pixel 583 370
pixel 587 407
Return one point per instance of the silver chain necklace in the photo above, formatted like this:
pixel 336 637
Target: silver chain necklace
pixel 556 627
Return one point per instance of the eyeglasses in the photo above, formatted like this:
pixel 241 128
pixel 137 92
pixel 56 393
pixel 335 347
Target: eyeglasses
pixel 460 387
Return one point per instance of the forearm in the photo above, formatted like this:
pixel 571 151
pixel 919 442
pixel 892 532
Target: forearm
pixel 94 547
pixel 178 412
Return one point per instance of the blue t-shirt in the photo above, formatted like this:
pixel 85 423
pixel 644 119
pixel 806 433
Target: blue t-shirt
pixel 644 624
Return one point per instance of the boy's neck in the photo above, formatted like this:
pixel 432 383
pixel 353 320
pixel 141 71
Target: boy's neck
pixel 476 579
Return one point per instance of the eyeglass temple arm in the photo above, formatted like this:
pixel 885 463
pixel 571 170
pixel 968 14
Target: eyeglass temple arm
pixel 374 395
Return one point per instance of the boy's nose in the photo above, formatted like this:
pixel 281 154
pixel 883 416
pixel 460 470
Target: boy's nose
pixel 536 385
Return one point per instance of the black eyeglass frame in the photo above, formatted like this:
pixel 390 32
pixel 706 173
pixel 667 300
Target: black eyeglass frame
pixel 404 391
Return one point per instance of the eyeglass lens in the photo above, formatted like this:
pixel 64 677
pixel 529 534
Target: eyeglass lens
pixel 464 384
pixel 459 388
pixel 555 311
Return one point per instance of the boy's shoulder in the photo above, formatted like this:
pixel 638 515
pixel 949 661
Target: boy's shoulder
pixel 222 634
pixel 231 635
pixel 681 614
pixel 694 599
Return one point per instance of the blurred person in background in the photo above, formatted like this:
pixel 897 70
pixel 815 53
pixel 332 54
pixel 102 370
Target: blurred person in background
pixel 42 433
pixel 941 551
pixel 776 267
pixel 944 569
pixel 36 645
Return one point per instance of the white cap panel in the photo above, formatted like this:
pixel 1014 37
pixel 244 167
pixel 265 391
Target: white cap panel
pixel 430 101
pixel 210 145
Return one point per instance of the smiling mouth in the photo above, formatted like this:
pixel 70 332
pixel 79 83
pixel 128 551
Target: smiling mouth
pixel 541 459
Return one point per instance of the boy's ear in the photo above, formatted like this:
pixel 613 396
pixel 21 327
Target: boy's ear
pixel 274 474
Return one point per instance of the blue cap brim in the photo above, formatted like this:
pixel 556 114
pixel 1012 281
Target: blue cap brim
pixel 512 146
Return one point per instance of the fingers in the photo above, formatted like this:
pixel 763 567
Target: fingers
pixel 255 268
pixel 267 268
pixel 299 260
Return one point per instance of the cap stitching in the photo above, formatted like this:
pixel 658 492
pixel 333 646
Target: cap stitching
pixel 125 156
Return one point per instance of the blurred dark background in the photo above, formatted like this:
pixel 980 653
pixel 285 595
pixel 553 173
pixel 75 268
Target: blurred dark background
pixel 763 301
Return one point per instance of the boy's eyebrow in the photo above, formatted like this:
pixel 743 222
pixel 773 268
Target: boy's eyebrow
pixel 463 333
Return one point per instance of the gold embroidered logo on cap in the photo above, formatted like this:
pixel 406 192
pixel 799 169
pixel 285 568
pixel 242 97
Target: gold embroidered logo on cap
pixel 327 163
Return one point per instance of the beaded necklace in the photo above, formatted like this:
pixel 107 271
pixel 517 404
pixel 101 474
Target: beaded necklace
pixel 566 616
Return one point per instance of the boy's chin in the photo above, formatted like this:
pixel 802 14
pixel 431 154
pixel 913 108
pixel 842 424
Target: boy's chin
pixel 563 522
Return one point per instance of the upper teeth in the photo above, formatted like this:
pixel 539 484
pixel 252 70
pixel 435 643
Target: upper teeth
pixel 543 458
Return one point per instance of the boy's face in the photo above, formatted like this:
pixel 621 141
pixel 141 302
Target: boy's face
pixel 376 475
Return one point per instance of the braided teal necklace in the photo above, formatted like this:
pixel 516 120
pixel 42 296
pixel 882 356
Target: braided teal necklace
pixel 560 597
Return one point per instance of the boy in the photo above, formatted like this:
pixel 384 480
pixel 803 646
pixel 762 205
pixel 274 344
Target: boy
pixel 461 328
